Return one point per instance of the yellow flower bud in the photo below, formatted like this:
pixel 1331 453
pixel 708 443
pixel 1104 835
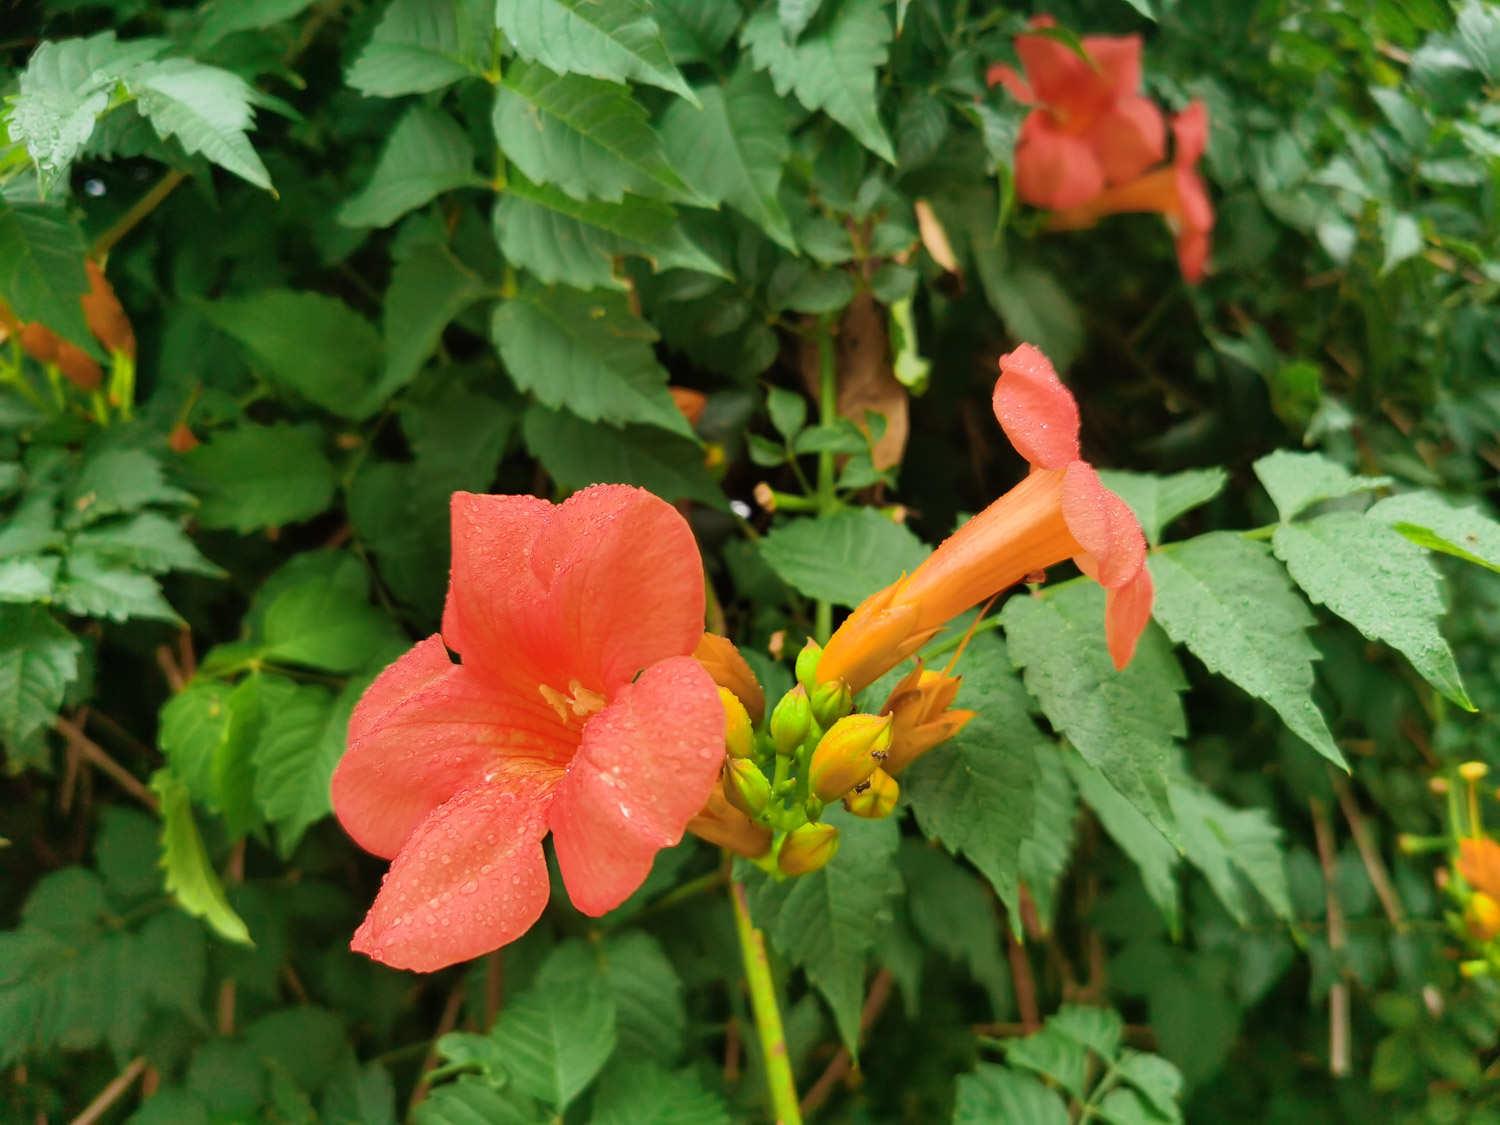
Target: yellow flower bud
pixel 876 798
pixel 791 720
pixel 1482 916
pixel 807 664
pixel 746 787
pixel 848 754
pixel 831 702
pixel 808 848
pixel 1473 771
pixel 721 823
pixel 739 734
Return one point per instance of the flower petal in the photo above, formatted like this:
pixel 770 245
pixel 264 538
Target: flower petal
pixel 1479 864
pixel 1128 138
pixel 469 879
pixel 624 581
pixel 1017 87
pixel 1190 134
pixel 1118 58
pixel 1054 169
pixel 1127 609
pixel 1035 410
pixel 428 728
pixel 1104 526
pixel 647 764
pixel 1192 254
pixel 1060 76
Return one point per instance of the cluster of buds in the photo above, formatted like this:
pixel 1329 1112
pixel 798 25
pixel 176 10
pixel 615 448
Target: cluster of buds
pixel 1473 882
pixel 812 751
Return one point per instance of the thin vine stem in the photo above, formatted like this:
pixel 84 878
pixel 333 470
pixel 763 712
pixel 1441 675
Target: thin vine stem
pixel 780 1084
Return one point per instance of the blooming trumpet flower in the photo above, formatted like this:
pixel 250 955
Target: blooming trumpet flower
pixel 578 709
pixel 1176 192
pixel 1060 511
pixel 807 848
pixel 1090 127
pixel 919 706
pixel 876 798
pixel 729 670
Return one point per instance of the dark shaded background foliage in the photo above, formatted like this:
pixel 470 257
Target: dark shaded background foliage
pixel 1352 309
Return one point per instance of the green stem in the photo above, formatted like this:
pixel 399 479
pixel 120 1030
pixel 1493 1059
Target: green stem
pixel 779 1082
pixel 828 413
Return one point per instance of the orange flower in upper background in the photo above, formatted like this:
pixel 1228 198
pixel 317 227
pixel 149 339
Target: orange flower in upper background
pixel 1091 126
pixel 1176 192
pixel 106 320
pixel 1060 511
pixel 1479 864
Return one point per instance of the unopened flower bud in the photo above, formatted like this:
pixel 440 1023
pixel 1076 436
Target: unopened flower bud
pixel 739 734
pixel 1438 786
pixel 791 720
pixel 1482 916
pixel 746 787
pixel 831 702
pixel 1473 771
pixel 848 754
pixel 808 848
pixel 807 664
pixel 876 798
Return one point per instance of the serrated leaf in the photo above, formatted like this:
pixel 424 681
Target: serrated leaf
pixel 696 30
pixel 1158 500
pixel 324 619
pixel 953 913
pixel 261 476
pixel 38 660
pixel 992 1093
pixel 423 45
pixel 41 268
pixel 584 135
pixel 616 40
pixel 975 791
pixel 579 453
pixel 1051 1054
pixel 843 557
pixel 555 1039
pixel 190 878
pixel 118 479
pixel 359 1095
pixel 148 541
pixel 562 239
pixel 1220 841
pixel 1224 597
pixel 429 288
pixel 1479 33
pixel 733 146
pixel 308 342
pixel 1098 1029
pixel 828 922
pixel 587 352
pixel 795 15
pixel 1123 723
pixel 1033 304
pixel 94 586
pixel 646 1093
pixel 1048 848
pixel 1154 1078
pixel 1379 582
pixel 472 1101
pixel 222 18
pixel 192 729
pixel 1465 531
pixel 427 154
pixel 1296 481
pixel 298 745
pixel 834 69
pixel 208 111
pixel 28 578
pixel 1138 838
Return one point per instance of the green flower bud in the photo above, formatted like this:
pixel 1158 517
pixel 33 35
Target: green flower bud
pixel 790 721
pixel 807 664
pixel 739 734
pixel 808 848
pixel 831 702
pixel 847 755
pixel 746 787
pixel 876 798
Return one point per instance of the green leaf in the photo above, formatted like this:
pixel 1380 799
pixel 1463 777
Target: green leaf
pixel 219 19
pixel 427 154
pixel 1048 847
pixel 309 342
pixel 1380 583
pixel 788 412
pixel 1220 841
pixel 1158 500
pixel 429 288
pixel 587 352
pixel 207 109
pixel 1033 304
pixel 1224 597
pixel 834 69
pixel 190 878
pixel 829 922
pixel 696 30
pixel 844 557
pixel 1052 1054
pixel 147 541
pixel 424 45
pixel 28 578
pixel 303 1042
pixel 562 239
pixel 1154 1077
pixel 556 1038
pixel 646 1093
pixel 324 619
pixel 41 268
pixel 1124 723
pixel 472 1101
pixel 616 40
pixel 975 792
pixel 955 915
pixel 992 1093
pixel 578 453
pixel 650 1014
pixel 192 731
pixel 359 1095
pixel 733 146
pixel 1098 1029
pixel 118 479
pixel 584 135
pixel 93 586
pixel 795 15
pixel 1296 481
pixel 1479 33
pixel 1465 531
pixel 1137 837
pixel 38 661
pixel 125 852
pixel 1401 235
pixel 261 476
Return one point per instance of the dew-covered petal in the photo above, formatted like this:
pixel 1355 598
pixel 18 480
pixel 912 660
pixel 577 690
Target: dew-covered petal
pixel 1035 410
pixel 646 765
pixel 428 728
pixel 1127 609
pixel 1114 549
pixel 469 879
